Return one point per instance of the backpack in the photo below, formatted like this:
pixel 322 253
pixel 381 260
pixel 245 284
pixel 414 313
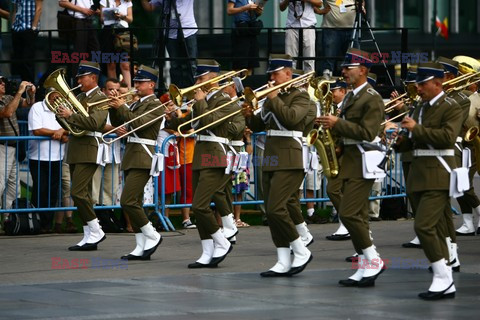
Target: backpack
pixel 393 208
pixel 21 223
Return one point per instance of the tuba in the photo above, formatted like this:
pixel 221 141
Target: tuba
pixel 62 95
pixel 322 138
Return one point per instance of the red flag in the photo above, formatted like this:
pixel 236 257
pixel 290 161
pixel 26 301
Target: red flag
pixel 442 27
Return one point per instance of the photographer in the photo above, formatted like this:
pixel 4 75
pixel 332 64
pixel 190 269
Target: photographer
pixel 246 27
pixel 9 127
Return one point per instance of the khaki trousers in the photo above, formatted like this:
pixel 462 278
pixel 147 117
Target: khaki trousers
pixel 81 191
pixel 206 183
pixel 132 197
pixel 354 211
pixel 282 204
pixel 430 222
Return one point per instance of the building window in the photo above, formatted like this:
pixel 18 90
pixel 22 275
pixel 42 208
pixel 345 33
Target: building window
pixel 384 14
pixel 467 16
pixel 413 14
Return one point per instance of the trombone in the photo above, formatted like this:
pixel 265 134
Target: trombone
pixel 132 120
pixel 252 97
pixel 411 92
pixel 186 135
pixel 104 102
pixel 177 94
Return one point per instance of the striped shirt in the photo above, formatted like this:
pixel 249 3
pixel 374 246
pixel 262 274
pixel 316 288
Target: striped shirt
pixel 24 14
pixel 5 127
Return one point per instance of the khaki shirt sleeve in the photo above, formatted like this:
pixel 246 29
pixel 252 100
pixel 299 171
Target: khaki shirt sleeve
pixel 290 114
pixel 95 122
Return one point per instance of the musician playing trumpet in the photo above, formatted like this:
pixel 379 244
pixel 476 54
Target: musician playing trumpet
pixel 137 160
pixel 209 162
pixel 284 117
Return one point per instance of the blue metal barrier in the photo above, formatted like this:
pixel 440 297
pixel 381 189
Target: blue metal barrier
pixel 392 183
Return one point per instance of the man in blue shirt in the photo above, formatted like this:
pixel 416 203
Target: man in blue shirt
pixel 25 22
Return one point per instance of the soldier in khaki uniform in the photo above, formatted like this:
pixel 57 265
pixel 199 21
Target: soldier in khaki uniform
pixel 284 117
pixel 209 163
pixel 334 185
pixel 137 160
pixel 359 121
pixel 82 153
pixel 469 202
pixel 432 132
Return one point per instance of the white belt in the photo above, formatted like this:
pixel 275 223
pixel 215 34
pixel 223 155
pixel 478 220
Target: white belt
pixel 237 143
pixel 283 133
pixel 350 142
pixel 94 134
pixel 459 139
pixel 433 152
pixel 149 142
pixel 212 139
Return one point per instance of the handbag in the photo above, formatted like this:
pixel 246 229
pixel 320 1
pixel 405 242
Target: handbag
pixel 65 24
pixel 121 41
pixel 22 223
pixel 21 146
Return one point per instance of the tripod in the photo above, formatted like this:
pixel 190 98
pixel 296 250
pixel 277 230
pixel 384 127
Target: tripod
pixel 357 34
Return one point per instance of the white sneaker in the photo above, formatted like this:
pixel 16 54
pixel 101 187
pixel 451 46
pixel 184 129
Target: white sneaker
pixel 187 224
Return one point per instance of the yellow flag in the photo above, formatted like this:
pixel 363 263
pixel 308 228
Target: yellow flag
pixel 339 2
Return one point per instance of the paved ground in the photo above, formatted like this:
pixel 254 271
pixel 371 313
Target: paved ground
pixel 33 287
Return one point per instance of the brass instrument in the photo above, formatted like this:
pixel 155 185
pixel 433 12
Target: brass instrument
pixel 177 94
pixel 412 95
pixel 163 105
pixel 186 135
pixel 252 97
pixel 469 69
pixel 472 136
pixel 104 103
pixel 62 95
pixel 321 138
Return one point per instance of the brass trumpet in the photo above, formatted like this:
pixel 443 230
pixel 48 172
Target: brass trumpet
pixel 104 103
pixel 177 94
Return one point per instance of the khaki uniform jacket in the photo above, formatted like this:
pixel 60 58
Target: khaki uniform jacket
pixel 440 126
pixel 208 155
pixel 361 117
pixel 462 99
pixel 236 127
pixel 292 110
pixel 136 157
pixel 84 149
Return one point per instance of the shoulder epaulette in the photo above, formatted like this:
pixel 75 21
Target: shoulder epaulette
pixel 373 92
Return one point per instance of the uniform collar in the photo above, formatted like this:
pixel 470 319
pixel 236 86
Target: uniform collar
pixel 146 97
pixel 359 88
pixel 436 98
pixel 89 92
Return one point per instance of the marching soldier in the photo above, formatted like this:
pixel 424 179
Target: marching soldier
pixel 284 117
pixel 432 132
pixel 334 185
pixel 137 160
pixel 469 201
pixel 83 153
pixel 209 163
pixel 360 119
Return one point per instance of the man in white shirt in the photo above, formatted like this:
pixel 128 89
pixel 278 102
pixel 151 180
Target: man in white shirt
pixel 179 30
pixel 45 160
pixel 301 15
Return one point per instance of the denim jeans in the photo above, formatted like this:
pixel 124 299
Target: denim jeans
pixel 182 71
pixel 335 43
